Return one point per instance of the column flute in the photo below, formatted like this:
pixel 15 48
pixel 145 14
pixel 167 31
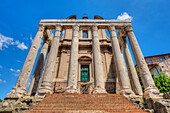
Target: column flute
pixel 98 69
pixel 150 89
pixel 73 63
pixel 122 76
pixel 49 69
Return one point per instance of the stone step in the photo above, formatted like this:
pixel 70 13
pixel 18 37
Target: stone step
pixel 85 103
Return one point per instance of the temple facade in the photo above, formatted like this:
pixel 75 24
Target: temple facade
pixel 84 60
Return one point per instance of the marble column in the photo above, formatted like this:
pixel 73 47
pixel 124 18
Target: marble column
pixel 38 69
pixel 131 69
pixel 122 76
pixel 50 36
pixel 40 81
pixel 73 63
pixel 51 61
pixel 20 88
pixel 149 85
pixel 98 69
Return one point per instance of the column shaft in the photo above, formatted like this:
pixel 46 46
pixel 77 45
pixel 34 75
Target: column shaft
pixel 40 81
pixel 98 69
pixel 20 88
pixel 146 77
pixel 123 77
pixel 38 69
pixel 73 63
pixel 131 69
pixel 49 69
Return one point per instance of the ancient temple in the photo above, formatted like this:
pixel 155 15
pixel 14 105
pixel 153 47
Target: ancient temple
pixel 84 60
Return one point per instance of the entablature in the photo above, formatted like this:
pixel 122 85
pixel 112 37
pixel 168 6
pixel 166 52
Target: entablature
pixel 68 23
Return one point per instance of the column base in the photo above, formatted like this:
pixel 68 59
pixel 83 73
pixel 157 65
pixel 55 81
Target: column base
pixel 140 94
pixel 16 93
pixel 71 90
pixel 152 92
pixel 127 93
pixel 44 90
pixel 99 91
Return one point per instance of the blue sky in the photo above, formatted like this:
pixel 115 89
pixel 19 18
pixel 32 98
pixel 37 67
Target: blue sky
pixel 20 18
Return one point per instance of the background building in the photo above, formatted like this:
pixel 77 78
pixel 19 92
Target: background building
pixel 159 63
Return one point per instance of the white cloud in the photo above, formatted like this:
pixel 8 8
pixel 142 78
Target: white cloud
pixel 31 38
pixel 22 46
pixel 16 74
pixel 17 70
pixel 0 66
pixel 6 41
pixel 2 81
pixel 13 70
pixel 19 61
pixel 124 16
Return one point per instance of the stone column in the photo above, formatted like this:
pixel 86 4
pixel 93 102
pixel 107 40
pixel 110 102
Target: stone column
pixel 49 69
pixel 122 76
pixel 40 81
pixel 131 69
pixel 38 69
pixel 20 88
pixel 149 85
pixel 98 69
pixel 73 64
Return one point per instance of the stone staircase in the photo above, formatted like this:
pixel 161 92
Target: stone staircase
pixel 85 103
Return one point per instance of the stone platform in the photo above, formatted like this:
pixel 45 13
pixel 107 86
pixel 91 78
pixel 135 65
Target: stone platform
pixel 85 103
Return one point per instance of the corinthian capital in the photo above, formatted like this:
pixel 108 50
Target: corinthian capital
pixel 58 27
pixel 75 27
pixel 128 28
pixel 112 27
pixel 41 27
pixel 95 27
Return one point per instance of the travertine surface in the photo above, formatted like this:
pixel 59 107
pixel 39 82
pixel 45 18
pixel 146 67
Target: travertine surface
pixel 48 73
pixel 98 69
pixel 73 64
pixel 122 75
pixel 38 69
pixel 149 85
pixel 131 69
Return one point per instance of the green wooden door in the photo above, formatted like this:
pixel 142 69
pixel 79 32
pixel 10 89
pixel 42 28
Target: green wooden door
pixel 85 73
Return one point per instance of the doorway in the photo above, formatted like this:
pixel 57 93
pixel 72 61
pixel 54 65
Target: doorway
pixel 84 73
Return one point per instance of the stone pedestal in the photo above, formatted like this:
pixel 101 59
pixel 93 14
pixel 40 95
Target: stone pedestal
pixel 98 69
pixel 131 69
pixel 151 90
pixel 73 64
pixel 38 69
pixel 122 76
pixel 51 61
pixel 20 88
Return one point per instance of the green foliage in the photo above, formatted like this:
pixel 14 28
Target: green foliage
pixel 162 82
pixel 1 100
pixel 140 80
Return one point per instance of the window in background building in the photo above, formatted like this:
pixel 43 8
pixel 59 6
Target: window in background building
pixel 85 33
pixel 162 58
